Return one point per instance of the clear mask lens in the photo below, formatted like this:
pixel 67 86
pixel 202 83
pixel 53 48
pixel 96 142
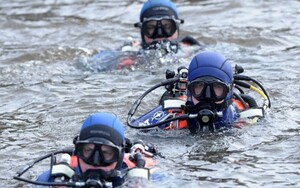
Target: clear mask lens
pixel 208 89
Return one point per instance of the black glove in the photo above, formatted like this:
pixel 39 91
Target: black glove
pixel 190 41
pixel 128 145
pixel 138 158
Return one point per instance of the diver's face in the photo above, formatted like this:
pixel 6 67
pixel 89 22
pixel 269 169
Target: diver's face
pixel 150 40
pixel 196 101
pixel 84 167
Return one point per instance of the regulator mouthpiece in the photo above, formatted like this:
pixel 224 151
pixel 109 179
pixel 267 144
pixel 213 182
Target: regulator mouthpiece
pixel 206 117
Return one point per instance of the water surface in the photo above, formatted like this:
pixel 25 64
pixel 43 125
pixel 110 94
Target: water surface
pixel 44 96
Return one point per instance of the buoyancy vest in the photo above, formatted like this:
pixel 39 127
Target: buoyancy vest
pixel 150 162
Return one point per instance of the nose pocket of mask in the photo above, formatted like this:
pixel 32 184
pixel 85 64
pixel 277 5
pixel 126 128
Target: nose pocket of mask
pixel 159 32
pixel 96 158
pixel 207 92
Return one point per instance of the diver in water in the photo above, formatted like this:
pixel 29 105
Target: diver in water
pixel 203 96
pixel 101 155
pixel 159 26
pixel 210 91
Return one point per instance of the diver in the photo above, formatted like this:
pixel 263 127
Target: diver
pixel 207 95
pixel 102 157
pixel 159 28
pixel 210 91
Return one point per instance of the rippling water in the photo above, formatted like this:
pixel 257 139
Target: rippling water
pixel 44 96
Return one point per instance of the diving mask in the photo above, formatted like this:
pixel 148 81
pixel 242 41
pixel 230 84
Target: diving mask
pixel 163 27
pixel 208 88
pixel 97 153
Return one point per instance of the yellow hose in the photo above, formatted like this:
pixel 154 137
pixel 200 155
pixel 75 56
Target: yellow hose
pixel 264 96
pixel 259 92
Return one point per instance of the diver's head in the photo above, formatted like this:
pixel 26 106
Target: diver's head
pixel 210 79
pixel 100 144
pixel 159 20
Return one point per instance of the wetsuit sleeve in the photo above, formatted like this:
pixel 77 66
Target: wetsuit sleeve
pixel 229 117
pixel 117 181
pixel 45 177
